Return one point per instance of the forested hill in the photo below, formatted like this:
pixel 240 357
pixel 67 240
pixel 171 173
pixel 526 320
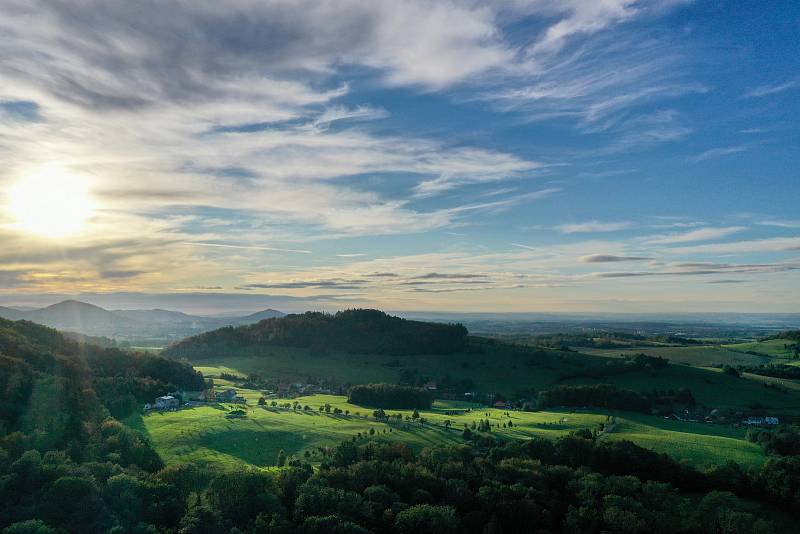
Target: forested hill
pixel 82 382
pixel 355 331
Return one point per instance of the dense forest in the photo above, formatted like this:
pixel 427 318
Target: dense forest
pixel 598 396
pixel 389 396
pixel 354 331
pixel 572 485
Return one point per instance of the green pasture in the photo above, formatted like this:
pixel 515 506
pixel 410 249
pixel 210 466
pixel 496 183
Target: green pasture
pixel 209 434
pixel 698 355
pixel 774 348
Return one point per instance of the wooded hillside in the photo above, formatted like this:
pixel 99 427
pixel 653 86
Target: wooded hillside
pixel 354 331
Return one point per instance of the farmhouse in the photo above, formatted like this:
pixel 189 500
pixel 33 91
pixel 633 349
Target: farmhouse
pixel 229 395
pixel 760 421
pixel 167 402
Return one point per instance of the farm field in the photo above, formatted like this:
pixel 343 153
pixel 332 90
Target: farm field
pixel 700 355
pixel 775 348
pixel 208 434
pixel 516 373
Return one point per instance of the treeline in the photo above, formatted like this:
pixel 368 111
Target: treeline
pixel 618 366
pixel 607 340
pixel 354 331
pixel 773 370
pixel 793 335
pixel 596 396
pixel 389 396
pixel 571 485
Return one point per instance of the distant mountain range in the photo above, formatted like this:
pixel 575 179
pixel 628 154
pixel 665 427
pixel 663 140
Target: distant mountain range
pixel 134 325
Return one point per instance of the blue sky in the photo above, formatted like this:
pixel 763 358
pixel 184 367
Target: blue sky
pixel 518 155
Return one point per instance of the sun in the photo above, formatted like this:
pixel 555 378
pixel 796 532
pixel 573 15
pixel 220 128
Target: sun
pixel 51 203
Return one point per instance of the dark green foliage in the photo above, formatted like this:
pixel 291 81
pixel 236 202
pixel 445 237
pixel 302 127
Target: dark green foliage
pixel 628 364
pixel 353 331
pixel 117 443
pixel 732 371
pixel 424 518
pixel 773 370
pixel 784 441
pixel 16 383
pixel 31 526
pixel 239 496
pixel 386 396
pixel 600 396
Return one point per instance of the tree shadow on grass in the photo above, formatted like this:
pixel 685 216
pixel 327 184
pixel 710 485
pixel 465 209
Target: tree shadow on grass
pixel 254 446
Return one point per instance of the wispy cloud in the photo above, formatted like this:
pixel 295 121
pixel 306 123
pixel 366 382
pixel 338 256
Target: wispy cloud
pixel 701 234
pixel 772 244
pixel 771 89
pixel 248 247
pixel 719 152
pixel 610 258
pixel 780 223
pixel 594 226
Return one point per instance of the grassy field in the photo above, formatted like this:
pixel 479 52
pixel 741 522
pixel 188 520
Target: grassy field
pixel 512 374
pixel 701 355
pixel 774 348
pixel 208 434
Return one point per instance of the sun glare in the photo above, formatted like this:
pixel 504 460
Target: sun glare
pixel 51 203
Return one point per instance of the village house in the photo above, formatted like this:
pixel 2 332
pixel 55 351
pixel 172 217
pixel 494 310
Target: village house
pixel 167 402
pixel 229 395
pixel 760 421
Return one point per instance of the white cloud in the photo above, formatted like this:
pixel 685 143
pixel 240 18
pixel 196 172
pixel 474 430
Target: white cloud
pixel 701 234
pixel 721 151
pixel 772 244
pixel 594 226
pixel 766 90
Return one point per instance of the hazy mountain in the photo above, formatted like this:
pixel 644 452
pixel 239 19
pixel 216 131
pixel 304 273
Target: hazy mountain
pixel 150 327
pixel 258 316
pixel 80 317
pixel 160 316
pixel 11 314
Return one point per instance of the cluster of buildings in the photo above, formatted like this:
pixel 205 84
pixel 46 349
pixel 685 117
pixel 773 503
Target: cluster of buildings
pixel 172 401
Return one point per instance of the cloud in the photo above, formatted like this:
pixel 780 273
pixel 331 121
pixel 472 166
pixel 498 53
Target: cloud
pixel 594 226
pixel 470 166
pixel 780 223
pixel 772 244
pixel 721 152
pixel 607 258
pixel 703 269
pixel 248 247
pixel 701 234
pixel 766 90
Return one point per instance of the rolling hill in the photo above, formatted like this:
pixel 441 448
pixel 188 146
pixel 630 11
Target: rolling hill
pixel 152 327
pixel 296 348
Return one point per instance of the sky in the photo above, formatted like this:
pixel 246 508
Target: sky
pixel 508 156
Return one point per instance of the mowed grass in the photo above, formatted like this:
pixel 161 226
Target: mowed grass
pixel 208 435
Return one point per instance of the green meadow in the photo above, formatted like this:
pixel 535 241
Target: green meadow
pixel 700 355
pixel 209 434
pixel 774 348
